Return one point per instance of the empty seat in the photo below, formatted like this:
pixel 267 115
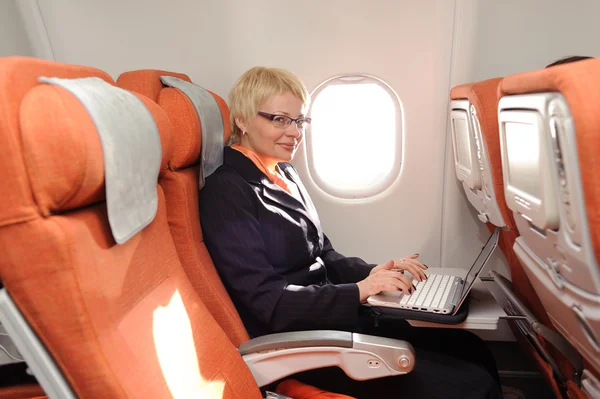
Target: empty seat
pixel 550 139
pixel 119 320
pixel 478 163
pixel 180 184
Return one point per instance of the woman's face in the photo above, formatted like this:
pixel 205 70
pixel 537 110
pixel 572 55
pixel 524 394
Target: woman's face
pixel 266 137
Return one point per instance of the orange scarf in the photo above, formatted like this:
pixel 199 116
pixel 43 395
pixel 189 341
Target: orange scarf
pixel 273 176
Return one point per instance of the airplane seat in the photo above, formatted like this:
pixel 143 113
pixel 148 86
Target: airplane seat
pixel 180 183
pixel 199 117
pixel 94 318
pixel 549 122
pixel 475 137
pixel 17 203
pixel 478 165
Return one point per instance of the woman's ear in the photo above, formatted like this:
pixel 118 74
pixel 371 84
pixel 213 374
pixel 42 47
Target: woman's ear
pixel 241 124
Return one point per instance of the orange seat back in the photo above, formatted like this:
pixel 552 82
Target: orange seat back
pixel 483 96
pixel 579 83
pixel 573 303
pixel 119 320
pixel 180 183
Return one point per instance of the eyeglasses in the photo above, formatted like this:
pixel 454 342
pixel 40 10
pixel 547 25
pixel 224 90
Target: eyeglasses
pixel 282 121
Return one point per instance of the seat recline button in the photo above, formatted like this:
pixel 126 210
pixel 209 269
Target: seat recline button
pixel 403 361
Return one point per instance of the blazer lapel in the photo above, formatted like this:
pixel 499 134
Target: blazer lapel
pixel 282 198
pixel 310 206
pixel 271 191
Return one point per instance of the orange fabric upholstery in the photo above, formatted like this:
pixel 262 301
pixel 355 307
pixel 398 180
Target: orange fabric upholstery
pixel 186 126
pixel 299 390
pixel 181 189
pixel 30 391
pixel 147 81
pixel 180 109
pixel 19 76
pixel 74 178
pixel 120 320
pixel 180 183
pixel 578 82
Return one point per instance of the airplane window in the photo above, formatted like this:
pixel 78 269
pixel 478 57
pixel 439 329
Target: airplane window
pixel 354 141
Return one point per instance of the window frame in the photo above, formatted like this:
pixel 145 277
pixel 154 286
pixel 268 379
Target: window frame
pixel 392 175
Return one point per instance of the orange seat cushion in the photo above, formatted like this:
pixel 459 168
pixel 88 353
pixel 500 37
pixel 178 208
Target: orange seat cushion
pixel 299 390
pixel 180 183
pixel 29 391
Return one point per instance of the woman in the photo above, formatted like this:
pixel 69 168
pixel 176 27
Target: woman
pixel 282 273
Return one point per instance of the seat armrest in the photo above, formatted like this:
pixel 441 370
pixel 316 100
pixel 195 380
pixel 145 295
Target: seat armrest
pixel 362 357
pixel 297 339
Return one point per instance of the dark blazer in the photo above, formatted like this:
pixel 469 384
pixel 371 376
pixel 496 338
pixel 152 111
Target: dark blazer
pixel 264 243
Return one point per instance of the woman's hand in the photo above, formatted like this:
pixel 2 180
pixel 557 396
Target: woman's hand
pixel 409 263
pixel 384 279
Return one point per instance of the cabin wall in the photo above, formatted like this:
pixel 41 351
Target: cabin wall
pixel 13 36
pixel 421 48
pixel 496 39
pixel 515 36
pixel 406 43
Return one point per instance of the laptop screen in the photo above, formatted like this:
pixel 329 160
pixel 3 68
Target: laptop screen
pixel 481 260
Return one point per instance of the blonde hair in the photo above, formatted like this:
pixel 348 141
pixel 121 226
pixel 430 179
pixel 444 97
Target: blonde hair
pixel 255 87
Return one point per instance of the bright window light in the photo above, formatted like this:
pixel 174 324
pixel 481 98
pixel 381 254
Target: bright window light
pixel 353 143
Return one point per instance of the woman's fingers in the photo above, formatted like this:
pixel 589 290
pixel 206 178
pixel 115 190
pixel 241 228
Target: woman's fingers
pixel 392 284
pixel 416 272
pixel 399 280
pixel 417 263
pixel 416 269
pixel 413 266
pixel 389 265
pixel 400 262
pixel 407 282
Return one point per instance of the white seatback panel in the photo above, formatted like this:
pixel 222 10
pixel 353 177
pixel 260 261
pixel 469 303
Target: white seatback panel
pixel 465 158
pixel 559 236
pixel 554 244
pixel 480 188
pixel 526 167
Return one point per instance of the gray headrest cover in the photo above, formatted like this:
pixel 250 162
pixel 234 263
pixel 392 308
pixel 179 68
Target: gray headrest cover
pixel 132 152
pixel 211 121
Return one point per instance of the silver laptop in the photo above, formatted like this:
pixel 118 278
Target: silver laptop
pixel 440 293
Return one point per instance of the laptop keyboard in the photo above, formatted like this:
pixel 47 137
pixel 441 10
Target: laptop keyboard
pixel 432 292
